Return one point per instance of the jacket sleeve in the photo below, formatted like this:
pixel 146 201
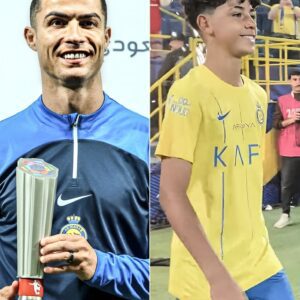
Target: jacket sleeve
pixel 277 117
pixel 121 275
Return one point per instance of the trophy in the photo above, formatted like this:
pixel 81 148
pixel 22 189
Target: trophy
pixel 36 190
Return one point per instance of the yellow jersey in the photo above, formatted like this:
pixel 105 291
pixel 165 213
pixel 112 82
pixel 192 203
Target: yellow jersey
pixel 220 129
pixel 285 21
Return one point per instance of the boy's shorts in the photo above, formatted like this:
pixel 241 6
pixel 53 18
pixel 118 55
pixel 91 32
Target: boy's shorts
pixel 276 287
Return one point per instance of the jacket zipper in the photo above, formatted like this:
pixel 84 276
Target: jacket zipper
pixel 75 147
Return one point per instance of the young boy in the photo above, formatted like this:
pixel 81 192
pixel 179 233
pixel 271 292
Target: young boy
pixel 211 179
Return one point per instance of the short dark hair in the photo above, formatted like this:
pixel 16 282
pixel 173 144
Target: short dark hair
pixel 294 73
pixel 36 5
pixel 193 8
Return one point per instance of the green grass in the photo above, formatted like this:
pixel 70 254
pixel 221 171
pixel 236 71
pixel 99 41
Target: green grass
pixel 159 247
pixel 286 243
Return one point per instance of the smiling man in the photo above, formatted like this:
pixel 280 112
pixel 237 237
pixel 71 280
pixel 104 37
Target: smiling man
pixel 99 243
pixel 211 173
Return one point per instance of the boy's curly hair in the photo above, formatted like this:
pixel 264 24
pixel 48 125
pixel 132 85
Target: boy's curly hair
pixel 195 7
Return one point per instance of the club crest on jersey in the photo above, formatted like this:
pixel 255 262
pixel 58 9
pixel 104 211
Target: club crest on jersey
pixel 73 227
pixel 260 117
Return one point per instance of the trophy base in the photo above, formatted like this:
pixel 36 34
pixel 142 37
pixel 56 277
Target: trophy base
pixel 31 289
pixel 29 298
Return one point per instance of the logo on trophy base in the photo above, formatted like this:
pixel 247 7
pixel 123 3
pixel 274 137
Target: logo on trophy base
pixel 31 287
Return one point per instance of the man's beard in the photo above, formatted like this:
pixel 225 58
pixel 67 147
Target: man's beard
pixel 74 82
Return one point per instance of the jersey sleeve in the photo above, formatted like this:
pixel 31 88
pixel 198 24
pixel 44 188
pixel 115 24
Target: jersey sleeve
pixel 121 275
pixel 179 133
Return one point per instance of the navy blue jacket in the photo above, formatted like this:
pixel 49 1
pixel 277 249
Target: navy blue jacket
pixel 103 161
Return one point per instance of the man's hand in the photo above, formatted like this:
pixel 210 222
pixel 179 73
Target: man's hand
pixel 297 116
pixel 9 292
pixel 63 248
pixel 226 291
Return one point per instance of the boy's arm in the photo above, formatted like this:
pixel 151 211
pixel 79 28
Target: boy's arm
pixel 175 176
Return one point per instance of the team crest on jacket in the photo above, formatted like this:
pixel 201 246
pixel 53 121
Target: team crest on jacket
pixel 260 117
pixel 73 227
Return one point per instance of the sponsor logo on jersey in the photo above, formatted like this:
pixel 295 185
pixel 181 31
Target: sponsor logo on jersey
pixel 241 154
pixel 73 227
pixel 64 202
pixel 240 126
pixel 221 117
pixel 180 107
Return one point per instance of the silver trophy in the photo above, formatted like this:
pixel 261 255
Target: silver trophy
pixel 36 190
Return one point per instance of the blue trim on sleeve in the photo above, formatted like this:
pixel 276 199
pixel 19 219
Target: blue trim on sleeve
pixel 121 275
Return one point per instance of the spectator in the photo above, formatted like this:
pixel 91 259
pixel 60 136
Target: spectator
pixel 284 16
pixel 176 7
pixel 179 50
pixel 156 58
pixel 177 40
pixel 264 25
pixel 171 23
pixel 155 23
pixel 286 119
